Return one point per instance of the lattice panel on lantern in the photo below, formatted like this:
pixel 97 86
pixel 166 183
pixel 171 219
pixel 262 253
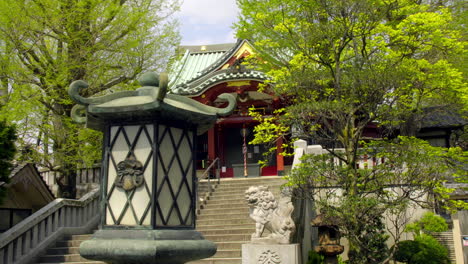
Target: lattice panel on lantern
pixel 174 195
pixel 130 174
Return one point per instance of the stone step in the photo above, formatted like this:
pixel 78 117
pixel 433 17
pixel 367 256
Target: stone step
pixel 224 207
pixel 228 197
pixel 216 211
pixel 228 203
pixel 231 221
pixel 78 237
pixel 232 237
pixel 63 250
pixel 219 206
pixel 234 196
pixel 237 183
pixel 249 179
pixel 247 184
pixel 228 215
pixel 242 189
pixel 228 231
pixel 232 245
pixel 69 243
pixel 228 253
pixel 224 226
pixel 63 258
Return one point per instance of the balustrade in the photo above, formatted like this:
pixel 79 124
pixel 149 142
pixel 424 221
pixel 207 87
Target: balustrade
pixel 23 242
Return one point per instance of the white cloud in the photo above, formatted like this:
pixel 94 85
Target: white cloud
pixel 209 11
pixel 207 21
pixel 231 36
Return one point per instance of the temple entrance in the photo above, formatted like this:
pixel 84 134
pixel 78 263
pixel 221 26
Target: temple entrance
pixel 203 74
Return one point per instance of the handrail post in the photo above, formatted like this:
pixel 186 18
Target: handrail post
pixel 218 171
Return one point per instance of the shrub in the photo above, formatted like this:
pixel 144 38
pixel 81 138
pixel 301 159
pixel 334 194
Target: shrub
pixel 315 258
pixel 429 223
pixel 424 249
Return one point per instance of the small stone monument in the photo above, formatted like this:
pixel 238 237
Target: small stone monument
pixel 273 216
pixel 329 239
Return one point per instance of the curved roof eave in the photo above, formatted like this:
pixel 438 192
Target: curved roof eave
pixel 200 86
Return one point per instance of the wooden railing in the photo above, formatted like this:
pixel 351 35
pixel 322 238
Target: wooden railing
pixel 28 239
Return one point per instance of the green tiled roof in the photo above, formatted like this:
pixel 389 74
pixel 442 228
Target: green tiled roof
pixel 192 64
pixel 198 68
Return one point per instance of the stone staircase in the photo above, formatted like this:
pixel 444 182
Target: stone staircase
pixel 446 239
pixel 223 219
pixel 66 251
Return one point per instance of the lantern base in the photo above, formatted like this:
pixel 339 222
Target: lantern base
pixel 147 246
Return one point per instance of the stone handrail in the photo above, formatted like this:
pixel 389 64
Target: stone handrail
pixel 27 240
pixel 301 148
pixel 87 178
pixel 206 174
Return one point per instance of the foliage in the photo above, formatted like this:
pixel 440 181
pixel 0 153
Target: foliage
pixel 411 174
pixel 45 45
pixel 429 223
pixel 7 153
pixel 342 60
pixel 267 133
pixel 424 249
pixel 315 258
pixel 345 65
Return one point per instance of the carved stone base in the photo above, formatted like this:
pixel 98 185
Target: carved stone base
pixel 330 250
pixel 271 254
pixel 147 246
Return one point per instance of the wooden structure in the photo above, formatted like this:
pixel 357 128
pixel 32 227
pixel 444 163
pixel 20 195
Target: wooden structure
pixel 26 193
pixel 203 73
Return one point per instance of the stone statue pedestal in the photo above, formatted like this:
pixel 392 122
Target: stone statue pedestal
pixel 274 254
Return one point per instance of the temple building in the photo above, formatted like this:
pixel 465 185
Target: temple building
pixel 204 72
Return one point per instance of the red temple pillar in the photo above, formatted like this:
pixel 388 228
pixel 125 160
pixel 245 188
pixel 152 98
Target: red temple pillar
pixel 279 157
pixel 211 149
pixel 211 144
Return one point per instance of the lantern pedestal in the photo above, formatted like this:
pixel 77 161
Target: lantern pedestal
pixel 147 246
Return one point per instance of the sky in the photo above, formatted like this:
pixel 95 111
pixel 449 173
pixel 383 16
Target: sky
pixel 207 21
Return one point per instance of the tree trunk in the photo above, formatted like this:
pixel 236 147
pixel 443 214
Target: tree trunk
pixel 411 125
pixel 65 152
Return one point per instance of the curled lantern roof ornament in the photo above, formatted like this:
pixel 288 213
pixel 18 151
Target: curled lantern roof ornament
pixel 151 102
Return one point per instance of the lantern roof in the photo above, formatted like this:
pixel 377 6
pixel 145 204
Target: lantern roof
pixel 150 102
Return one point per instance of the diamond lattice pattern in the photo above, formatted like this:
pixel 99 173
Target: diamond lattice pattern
pixel 129 207
pixel 174 197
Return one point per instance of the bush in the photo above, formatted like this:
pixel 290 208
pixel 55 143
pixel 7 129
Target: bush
pixel 315 258
pixel 424 249
pixel 429 223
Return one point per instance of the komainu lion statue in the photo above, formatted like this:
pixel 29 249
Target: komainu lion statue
pixel 270 214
